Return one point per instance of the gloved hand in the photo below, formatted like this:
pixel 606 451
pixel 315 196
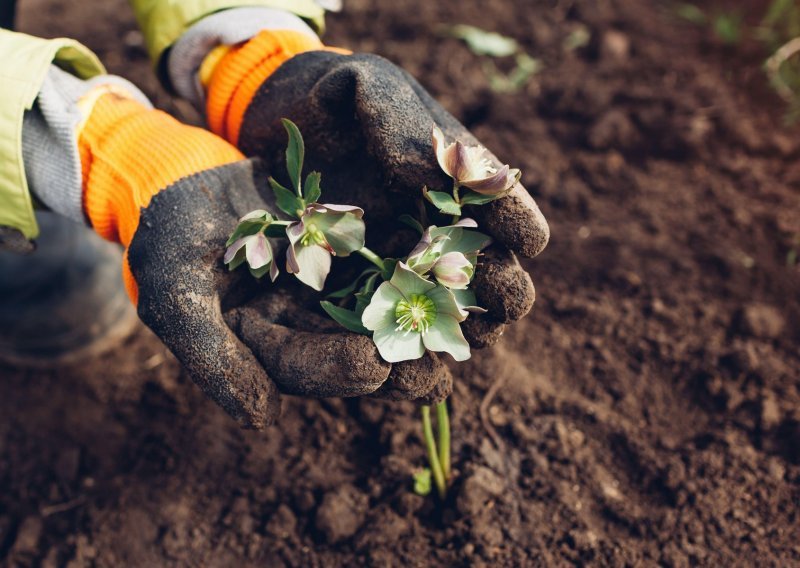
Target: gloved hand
pixel 367 126
pixel 172 194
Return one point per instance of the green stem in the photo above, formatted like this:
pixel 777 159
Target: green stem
pixel 443 424
pixel 457 199
pixel 372 257
pixel 456 196
pixel 433 457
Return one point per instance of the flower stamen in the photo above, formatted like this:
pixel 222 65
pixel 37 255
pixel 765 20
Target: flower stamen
pixel 417 313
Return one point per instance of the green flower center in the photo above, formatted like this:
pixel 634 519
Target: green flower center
pixel 312 236
pixel 415 314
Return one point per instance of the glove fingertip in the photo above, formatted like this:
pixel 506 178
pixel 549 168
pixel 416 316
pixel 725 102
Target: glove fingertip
pixel 482 332
pixel 517 222
pixel 411 380
pixel 503 287
pixel 440 392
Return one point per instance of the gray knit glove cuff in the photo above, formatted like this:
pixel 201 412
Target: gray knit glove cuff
pixel 228 27
pixel 50 139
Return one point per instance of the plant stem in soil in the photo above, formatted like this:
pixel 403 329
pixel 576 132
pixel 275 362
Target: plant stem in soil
pixel 443 424
pixel 433 456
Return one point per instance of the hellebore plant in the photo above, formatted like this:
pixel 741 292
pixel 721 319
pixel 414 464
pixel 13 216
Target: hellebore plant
pixel 319 231
pixel 409 314
pixel 469 168
pixel 409 305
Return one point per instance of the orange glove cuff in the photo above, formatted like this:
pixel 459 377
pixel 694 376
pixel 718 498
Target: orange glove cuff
pixel 240 73
pixel 128 154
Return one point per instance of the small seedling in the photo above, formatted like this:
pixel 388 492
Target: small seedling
pixel 491 46
pixel 779 31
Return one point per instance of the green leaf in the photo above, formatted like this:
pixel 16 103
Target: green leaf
pixel 691 13
pixel 407 219
pixel 295 153
pixel 312 190
pixel 287 201
pixel 344 317
pixel 364 296
pixel 482 42
pixel 577 38
pixel 443 201
pixel 778 10
pixel 276 230
pixel 389 265
pixel 526 68
pixel 475 198
pixel 728 27
pixel 344 292
pixel 244 229
pixel 422 482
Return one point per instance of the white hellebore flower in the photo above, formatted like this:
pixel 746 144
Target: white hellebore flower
pixel 322 231
pixel 449 253
pixel 258 252
pixel 249 243
pixel 469 167
pixel 409 314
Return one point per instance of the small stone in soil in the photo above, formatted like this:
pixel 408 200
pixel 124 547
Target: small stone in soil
pixel 762 320
pixel 479 488
pixel 282 523
pixel 341 513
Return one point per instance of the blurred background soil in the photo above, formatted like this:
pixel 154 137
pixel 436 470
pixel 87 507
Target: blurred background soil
pixel 647 411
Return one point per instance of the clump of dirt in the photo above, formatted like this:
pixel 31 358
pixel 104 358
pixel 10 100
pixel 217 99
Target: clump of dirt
pixel 646 412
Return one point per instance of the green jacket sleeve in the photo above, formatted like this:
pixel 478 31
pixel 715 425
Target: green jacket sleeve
pixel 164 21
pixel 24 61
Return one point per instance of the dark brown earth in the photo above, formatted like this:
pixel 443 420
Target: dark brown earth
pixel 646 413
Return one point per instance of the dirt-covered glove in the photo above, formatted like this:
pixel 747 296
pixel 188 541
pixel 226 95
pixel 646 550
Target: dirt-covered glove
pixel 172 194
pixel 368 127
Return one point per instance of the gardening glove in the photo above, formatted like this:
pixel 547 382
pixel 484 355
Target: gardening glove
pixel 171 194
pixel 367 126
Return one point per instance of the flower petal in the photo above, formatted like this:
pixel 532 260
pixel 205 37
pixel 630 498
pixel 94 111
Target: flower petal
pixel 492 185
pixel 345 232
pixel 292 267
pixel 440 148
pixel 456 160
pixel 445 303
pixel 357 211
pixel 257 214
pixel 380 312
pixel 231 251
pixel 258 251
pixel 466 222
pixel 409 282
pixel 453 270
pixel 273 271
pixel 445 335
pixel 477 166
pixel 423 243
pixel 462 240
pixel 467 303
pixel 395 346
pixel 295 231
pixel 314 263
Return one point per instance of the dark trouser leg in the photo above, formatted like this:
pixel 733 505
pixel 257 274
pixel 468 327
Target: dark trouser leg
pixel 63 301
pixel 7 10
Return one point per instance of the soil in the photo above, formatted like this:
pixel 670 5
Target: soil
pixel 647 412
